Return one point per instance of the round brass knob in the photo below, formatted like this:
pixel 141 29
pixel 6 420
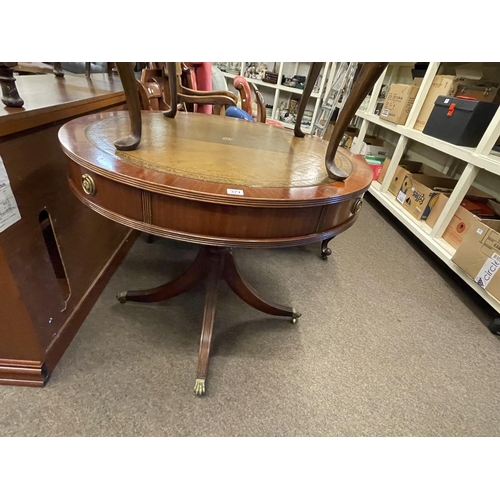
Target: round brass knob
pixel 88 185
pixel 357 206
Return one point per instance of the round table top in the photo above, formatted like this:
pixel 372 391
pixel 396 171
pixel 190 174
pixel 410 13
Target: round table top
pixel 202 156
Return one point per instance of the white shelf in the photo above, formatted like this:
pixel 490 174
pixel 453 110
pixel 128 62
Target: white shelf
pixel 229 75
pixel 477 158
pixel 280 90
pixel 489 162
pixel 292 90
pixel 261 82
pixel 465 154
pixel 422 231
pixel 289 125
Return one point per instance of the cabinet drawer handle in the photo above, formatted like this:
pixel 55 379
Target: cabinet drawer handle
pixel 88 185
pixel 357 206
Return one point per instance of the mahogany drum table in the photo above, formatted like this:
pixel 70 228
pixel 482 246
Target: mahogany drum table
pixel 219 182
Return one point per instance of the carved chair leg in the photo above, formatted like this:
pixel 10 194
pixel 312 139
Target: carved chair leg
pixel 126 72
pixel 325 251
pixel 216 269
pixel 369 74
pixel 172 87
pixel 10 95
pixel 58 70
pixel 314 71
pixel 249 295
pixel 179 285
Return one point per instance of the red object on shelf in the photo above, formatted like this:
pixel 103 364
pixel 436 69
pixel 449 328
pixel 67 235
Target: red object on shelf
pixel 376 169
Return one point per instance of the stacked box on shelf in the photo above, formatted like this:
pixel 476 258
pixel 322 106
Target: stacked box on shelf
pixel 375 151
pixel 398 103
pixel 420 190
pixel 441 85
pixel 404 167
pixel 479 254
pixel 475 206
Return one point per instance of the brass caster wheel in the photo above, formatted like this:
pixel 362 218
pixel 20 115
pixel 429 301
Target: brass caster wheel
pixel 494 327
pixel 199 387
pixel 294 320
pixel 325 253
pixel 121 297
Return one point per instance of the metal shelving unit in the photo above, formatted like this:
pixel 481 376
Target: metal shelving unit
pixel 280 90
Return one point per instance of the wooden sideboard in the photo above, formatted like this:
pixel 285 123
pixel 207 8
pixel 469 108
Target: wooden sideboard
pixel 54 261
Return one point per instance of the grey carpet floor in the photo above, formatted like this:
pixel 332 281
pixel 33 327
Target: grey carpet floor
pixel 389 344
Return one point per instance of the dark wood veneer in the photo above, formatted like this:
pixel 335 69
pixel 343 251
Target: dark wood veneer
pixel 38 322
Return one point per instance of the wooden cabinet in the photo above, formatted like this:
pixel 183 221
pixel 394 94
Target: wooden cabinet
pixel 57 258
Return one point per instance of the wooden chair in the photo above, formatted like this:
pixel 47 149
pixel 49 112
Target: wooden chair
pixel 186 97
pixel 245 90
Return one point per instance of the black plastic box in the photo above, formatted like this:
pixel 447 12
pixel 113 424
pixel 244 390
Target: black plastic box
pixel 463 124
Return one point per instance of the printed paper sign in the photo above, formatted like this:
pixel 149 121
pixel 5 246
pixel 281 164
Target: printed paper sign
pixel 401 197
pixel 235 191
pixel 9 213
pixel 489 269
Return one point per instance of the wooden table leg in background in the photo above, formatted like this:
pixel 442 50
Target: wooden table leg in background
pixel 10 95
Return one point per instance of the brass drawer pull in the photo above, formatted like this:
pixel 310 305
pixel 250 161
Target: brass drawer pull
pixel 357 206
pixel 88 185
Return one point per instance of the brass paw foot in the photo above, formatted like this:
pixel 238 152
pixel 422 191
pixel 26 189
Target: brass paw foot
pixel 122 297
pixel 296 315
pixel 199 387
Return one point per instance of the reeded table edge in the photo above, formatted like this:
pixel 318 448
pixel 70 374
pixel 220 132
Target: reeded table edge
pixel 214 240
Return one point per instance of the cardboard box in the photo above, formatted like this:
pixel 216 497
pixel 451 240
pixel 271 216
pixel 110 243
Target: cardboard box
pixel 462 220
pixel 419 196
pixel 373 146
pixel 412 166
pixel 441 85
pixel 398 103
pixel 404 167
pixel 479 255
pixel 423 195
pixel 349 135
pixel 459 226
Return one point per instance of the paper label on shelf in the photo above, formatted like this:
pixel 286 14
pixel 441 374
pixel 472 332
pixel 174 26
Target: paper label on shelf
pixel 9 213
pixel 401 197
pixel 489 269
pixel 236 191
